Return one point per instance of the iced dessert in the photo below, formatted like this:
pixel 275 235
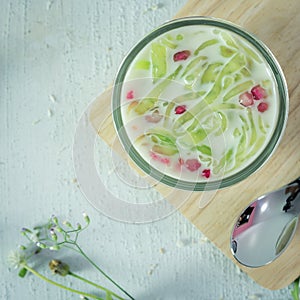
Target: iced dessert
pixel 199 103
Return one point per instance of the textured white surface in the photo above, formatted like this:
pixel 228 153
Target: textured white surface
pixel 71 50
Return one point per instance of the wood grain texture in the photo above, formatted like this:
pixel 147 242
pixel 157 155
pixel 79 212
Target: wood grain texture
pixel 276 23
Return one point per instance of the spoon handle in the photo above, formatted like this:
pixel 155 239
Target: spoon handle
pixel 294 190
pixel 295 181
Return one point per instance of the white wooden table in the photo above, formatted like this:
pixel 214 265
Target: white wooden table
pixel 55 58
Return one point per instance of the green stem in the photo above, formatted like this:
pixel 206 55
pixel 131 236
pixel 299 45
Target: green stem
pixel 102 272
pixel 295 291
pixel 96 285
pixel 60 285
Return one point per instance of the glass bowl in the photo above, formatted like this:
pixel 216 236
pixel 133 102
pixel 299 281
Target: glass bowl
pixel 146 83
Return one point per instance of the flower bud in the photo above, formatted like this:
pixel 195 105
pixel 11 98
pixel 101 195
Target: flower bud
pixel 58 267
pixel 53 235
pixel 54 248
pixel 41 245
pixel 86 218
pixel 68 224
pixel 37 250
pixel 25 231
pixel 58 229
pixel 54 219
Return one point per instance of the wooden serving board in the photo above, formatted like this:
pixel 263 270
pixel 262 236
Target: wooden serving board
pixel 277 24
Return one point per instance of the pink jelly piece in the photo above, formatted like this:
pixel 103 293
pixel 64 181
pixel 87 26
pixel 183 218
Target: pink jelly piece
pixel 181 55
pixel 262 107
pixel 259 92
pixel 246 99
pixel 180 109
pixel 130 95
pixel 179 164
pixel 192 164
pixel 206 173
pixel 163 160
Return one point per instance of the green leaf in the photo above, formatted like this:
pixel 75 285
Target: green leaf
pixel 295 291
pixel 22 272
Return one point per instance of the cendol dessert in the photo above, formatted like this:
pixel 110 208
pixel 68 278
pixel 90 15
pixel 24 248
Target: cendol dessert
pixel 199 103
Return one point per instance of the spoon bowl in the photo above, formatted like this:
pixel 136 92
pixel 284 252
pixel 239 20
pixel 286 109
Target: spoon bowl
pixel 266 227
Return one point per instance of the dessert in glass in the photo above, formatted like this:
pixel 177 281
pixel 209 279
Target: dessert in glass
pixel 200 103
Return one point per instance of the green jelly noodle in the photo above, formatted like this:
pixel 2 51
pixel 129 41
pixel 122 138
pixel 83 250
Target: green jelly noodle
pixel 183 115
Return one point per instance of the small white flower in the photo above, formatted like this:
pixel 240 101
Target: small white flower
pixel 16 259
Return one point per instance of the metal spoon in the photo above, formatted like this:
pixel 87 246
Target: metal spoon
pixel 266 227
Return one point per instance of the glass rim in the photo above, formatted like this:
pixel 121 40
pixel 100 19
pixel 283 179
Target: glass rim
pixel 210 184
